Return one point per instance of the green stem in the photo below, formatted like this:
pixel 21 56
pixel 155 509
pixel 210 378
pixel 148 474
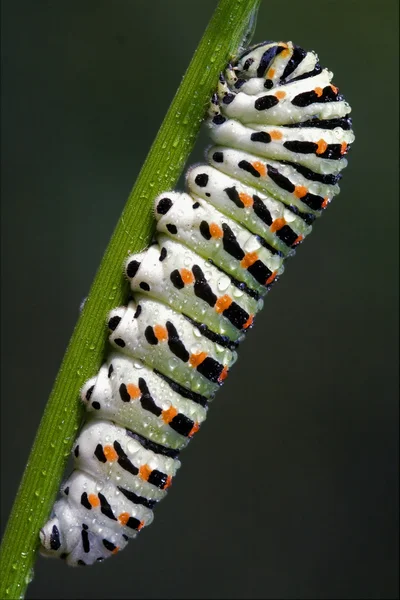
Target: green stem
pixel 230 25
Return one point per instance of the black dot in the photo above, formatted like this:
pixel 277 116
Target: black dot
pixel 218 120
pixel 132 268
pixel 164 205
pixel 201 180
pixel 113 323
pixel 218 157
pixel 196 205
pixel 96 405
pixel 144 286
pixel 172 228
pixel 84 526
pixel 248 63
pixel 89 392
pixel 66 491
pixel 137 312
pixel 228 98
pixel 110 371
pixel 163 254
pixel 76 451
pixel 208 194
pixel 268 84
pixel 81 563
pixel 120 342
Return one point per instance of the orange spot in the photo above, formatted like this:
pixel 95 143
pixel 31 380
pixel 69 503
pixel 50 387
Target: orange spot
pixel 280 94
pixel 187 276
pixel 245 198
pixel 160 332
pixel 285 53
pixel 224 374
pixel 343 148
pixel 110 453
pixel 248 260
pixel 169 414
pixel 93 500
pixel 248 322
pixel 271 278
pixel 277 224
pixel 322 146
pixel 144 472
pixel 124 518
pixel 270 74
pixel 300 191
pixel 141 525
pixel 275 134
pixel 335 90
pixel 260 168
pixel 325 203
pixel 216 231
pixel 133 390
pixel 194 430
pixel 223 303
pixel 168 482
pixel 319 91
pixel 196 359
pixel 298 240
pixel 116 549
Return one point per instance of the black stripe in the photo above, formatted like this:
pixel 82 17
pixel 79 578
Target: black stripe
pixel 106 508
pixel 222 340
pixel 99 453
pixel 55 542
pixel 150 336
pixel 109 545
pixel 176 279
pixel 85 541
pixel 201 288
pixel 146 399
pixel 266 102
pixel 153 446
pixel 308 218
pixel 236 315
pixel 158 479
pixel 85 501
pixel 181 424
pixel 297 57
pixel 267 58
pixel 241 285
pixel 287 235
pixel 260 272
pixel 210 369
pixel 175 344
pixel 132 523
pixel 312 175
pixel 230 243
pixel 268 246
pixel 137 499
pixel 182 391
pixel 233 195
pixel 248 167
pixel 311 97
pixel 316 71
pixel 342 122
pixel 261 210
pixel 123 460
pixel 283 182
pixel 260 136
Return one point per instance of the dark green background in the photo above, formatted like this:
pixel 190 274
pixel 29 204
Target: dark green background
pixel 290 490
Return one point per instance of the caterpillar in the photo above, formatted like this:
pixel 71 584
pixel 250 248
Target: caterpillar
pixel 280 132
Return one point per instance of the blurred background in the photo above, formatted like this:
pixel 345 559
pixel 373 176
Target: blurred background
pixel 290 490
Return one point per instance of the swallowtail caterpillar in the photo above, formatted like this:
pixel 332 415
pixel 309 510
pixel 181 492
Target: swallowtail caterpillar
pixel 281 131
